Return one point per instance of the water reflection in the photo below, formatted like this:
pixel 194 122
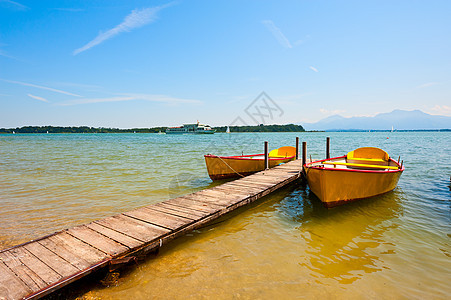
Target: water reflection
pixel 345 242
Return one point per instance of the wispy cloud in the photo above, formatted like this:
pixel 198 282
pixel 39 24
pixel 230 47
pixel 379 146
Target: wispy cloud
pixel 137 18
pixel 442 110
pixel 3 53
pixel 331 112
pixel 37 98
pixel 277 33
pixel 131 97
pixel 14 4
pixel 314 69
pixel 41 87
pixel 428 84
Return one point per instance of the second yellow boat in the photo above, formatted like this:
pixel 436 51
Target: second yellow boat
pixel 362 173
pixel 222 167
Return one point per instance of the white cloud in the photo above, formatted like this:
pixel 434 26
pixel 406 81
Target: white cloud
pixel 137 18
pixel 314 69
pixel 41 87
pixel 37 98
pixel 130 97
pixel 442 110
pixel 428 84
pixel 277 33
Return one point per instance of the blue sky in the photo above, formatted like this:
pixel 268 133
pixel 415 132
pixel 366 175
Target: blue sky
pixel 150 63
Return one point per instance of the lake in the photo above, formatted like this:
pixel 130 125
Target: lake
pixel 286 245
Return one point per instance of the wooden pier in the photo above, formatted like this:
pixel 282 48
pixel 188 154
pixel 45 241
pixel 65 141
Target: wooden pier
pixel 40 267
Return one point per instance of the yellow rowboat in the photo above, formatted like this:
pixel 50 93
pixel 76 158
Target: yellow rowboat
pixel 362 173
pixel 222 167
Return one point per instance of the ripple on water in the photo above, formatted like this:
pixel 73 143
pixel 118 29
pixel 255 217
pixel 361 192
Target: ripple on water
pixel 285 246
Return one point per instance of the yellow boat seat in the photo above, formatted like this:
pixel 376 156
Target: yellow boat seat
pixel 368 155
pixel 286 151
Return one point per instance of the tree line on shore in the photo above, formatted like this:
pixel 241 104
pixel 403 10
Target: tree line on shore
pixel 87 129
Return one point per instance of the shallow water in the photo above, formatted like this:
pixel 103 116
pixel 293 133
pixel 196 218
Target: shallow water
pixel 286 245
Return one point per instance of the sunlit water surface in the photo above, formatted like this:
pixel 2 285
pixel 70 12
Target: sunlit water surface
pixel 284 246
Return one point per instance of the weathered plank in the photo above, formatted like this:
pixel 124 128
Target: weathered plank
pixel 79 248
pixel 59 248
pixel 188 210
pixel 97 240
pixel 197 205
pixel 139 230
pixel 158 218
pixel 174 212
pixel 114 235
pixel 250 183
pixel 52 260
pixel 280 173
pixel 261 178
pixel 223 197
pixel 33 281
pixel 217 198
pixel 11 287
pixel 47 274
pixel 244 190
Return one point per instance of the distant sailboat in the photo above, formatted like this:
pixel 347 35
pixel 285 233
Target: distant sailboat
pixel 228 129
pixel 392 129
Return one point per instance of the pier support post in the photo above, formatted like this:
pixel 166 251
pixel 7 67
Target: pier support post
pixel 266 156
pixel 327 147
pixel 297 147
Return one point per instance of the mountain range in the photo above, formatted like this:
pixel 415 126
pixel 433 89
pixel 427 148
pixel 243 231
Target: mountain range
pixel 397 119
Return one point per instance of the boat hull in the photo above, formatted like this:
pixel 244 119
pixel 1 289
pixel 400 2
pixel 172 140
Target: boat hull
pixel 223 167
pixel 334 186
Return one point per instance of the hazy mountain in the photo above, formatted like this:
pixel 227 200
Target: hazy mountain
pixel 399 119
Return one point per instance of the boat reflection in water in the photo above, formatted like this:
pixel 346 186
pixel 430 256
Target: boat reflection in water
pixel 343 244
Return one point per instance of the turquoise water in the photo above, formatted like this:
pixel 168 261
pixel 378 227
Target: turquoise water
pixel 287 245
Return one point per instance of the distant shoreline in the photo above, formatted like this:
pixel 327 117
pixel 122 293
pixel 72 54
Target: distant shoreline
pixel 220 129
pixel 162 129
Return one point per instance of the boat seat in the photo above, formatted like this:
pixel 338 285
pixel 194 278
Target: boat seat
pixel 367 155
pixel 360 165
pixel 286 151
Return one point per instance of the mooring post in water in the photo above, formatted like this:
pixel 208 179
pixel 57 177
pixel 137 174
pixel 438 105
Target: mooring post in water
pixel 266 156
pixel 327 147
pixel 297 147
pixel 304 156
pixel 304 153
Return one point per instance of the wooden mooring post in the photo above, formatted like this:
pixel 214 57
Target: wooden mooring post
pixel 297 147
pixel 327 147
pixel 266 156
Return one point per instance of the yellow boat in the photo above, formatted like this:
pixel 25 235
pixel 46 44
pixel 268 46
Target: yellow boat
pixel 222 167
pixel 362 173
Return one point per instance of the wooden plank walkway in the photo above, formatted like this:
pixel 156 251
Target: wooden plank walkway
pixel 37 268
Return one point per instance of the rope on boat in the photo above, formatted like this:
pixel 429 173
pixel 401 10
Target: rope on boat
pixel 230 167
